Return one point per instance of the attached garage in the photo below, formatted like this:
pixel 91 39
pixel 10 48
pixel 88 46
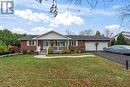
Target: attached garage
pixel 91 46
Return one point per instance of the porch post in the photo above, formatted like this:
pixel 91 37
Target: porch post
pixel 68 43
pixel 36 44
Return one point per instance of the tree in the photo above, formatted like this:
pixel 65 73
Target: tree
pixel 91 3
pixel 87 32
pixel 9 38
pixel 108 33
pixel 121 40
pixel 98 33
pixel 68 32
pixel 113 42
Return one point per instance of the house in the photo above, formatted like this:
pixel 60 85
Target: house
pixel 34 43
pixel 125 34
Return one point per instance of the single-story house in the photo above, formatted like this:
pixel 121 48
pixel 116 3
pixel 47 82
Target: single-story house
pixel 34 43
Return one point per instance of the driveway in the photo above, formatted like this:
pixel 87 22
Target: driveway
pixel 118 58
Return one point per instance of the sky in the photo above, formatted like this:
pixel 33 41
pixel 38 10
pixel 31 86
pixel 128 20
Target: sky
pixel 33 18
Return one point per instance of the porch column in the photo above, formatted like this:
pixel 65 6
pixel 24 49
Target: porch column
pixel 36 44
pixel 68 43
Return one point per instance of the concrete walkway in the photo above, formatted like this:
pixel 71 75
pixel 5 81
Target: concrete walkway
pixel 81 56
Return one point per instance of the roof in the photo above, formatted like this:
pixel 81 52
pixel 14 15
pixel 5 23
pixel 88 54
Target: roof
pixel 52 32
pixel 80 37
pixel 28 37
pixel 73 37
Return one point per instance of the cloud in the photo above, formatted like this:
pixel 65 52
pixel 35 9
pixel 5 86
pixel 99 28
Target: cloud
pixel 29 15
pixel 18 30
pixel 117 6
pixel 67 19
pixel 40 30
pixel 113 27
pixel 1 27
pixel 33 31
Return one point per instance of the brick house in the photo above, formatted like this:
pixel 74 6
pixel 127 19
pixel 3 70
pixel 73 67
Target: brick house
pixel 38 43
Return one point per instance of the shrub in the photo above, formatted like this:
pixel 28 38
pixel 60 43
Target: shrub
pixel 14 49
pixel 24 51
pixel 3 48
pixel 50 50
pixel 66 51
pixel 82 50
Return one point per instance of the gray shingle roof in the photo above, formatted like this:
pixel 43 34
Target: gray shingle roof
pixel 73 37
pixel 79 37
pixel 28 37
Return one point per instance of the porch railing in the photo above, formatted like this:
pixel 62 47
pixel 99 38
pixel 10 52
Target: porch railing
pixel 59 48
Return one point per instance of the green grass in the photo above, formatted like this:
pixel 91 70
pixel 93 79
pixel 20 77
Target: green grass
pixel 27 71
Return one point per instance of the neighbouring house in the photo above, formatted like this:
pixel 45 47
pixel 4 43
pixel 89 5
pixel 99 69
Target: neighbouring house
pixel 34 43
pixel 125 34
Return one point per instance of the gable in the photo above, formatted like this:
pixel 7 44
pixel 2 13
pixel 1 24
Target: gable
pixel 52 35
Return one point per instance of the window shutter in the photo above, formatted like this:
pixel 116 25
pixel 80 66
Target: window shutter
pixel 76 43
pixel 27 43
pixel 34 43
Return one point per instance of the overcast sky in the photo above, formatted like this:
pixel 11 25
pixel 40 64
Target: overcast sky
pixel 33 18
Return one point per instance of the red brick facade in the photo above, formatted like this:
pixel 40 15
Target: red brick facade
pixel 27 48
pixel 81 44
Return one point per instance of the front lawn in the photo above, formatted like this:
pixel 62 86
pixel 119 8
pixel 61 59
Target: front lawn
pixel 27 71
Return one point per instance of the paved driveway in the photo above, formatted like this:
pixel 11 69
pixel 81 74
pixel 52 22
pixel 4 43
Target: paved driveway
pixel 119 58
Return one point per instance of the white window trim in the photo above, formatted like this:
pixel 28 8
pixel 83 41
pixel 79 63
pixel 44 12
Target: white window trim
pixel 31 45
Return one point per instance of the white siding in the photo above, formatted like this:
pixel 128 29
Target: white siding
pixel 52 36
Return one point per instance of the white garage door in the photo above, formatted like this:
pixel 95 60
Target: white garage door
pixel 90 46
pixel 101 45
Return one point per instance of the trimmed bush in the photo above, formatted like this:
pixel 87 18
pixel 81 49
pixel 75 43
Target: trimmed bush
pixel 50 50
pixel 66 51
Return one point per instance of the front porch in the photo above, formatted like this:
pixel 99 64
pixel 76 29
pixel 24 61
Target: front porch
pixel 56 45
pixel 56 41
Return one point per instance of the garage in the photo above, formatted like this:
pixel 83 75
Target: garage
pixel 91 46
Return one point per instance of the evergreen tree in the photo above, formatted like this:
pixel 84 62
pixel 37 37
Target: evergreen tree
pixel 113 42
pixel 98 33
pixel 121 40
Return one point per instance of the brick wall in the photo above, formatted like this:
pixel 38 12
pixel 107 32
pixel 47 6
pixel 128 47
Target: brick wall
pixel 28 48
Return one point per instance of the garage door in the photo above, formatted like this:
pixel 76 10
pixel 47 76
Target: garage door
pixel 90 46
pixel 101 45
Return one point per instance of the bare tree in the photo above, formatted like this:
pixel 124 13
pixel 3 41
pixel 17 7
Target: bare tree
pixel 91 3
pixel 125 14
pixel 68 32
pixel 87 32
pixel 108 33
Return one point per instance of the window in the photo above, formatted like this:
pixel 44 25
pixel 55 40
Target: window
pixel 31 43
pixel 72 43
pixel 46 43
